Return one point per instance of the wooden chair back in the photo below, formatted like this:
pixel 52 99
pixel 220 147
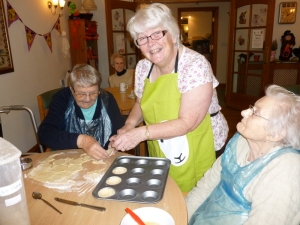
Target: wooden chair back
pixel 44 100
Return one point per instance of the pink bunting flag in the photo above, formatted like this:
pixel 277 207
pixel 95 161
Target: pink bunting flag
pixel 48 40
pixel 30 35
pixel 57 25
pixel 12 15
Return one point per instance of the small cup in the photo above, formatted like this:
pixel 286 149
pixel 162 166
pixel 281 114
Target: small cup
pixel 26 163
pixel 123 87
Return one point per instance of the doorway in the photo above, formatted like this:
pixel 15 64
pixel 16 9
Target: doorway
pixel 199 31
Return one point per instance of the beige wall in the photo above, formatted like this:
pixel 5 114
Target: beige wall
pixel 35 71
pixel 199 24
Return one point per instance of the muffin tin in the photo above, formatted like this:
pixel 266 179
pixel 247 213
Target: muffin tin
pixel 134 179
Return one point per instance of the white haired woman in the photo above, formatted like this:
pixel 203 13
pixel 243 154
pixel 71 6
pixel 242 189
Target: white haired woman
pixel 257 179
pixel 176 97
pixel 82 115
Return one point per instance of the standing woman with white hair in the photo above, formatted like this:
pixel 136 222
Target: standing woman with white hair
pixel 176 97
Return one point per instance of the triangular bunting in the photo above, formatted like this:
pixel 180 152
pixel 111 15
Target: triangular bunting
pixel 48 40
pixel 12 15
pixel 57 25
pixel 30 35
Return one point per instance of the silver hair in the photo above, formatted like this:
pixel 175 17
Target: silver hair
pixel 84 75
pixel 151 16
pixel 285 115
pixel 114 56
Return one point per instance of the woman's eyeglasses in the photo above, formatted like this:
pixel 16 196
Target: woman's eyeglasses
pixel 155 36
pixel 253 112
pixel 82 95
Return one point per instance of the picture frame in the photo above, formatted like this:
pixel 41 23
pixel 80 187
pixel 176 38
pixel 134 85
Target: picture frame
pixel 6 62
pixel 287 12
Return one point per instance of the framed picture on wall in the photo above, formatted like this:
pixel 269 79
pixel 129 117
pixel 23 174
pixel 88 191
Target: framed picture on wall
pixel 6 63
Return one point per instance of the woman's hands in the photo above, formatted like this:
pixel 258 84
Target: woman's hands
pixel 91 147
pixel 127 138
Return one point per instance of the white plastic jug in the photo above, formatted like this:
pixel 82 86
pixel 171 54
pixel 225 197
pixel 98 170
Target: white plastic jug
pixel 13 203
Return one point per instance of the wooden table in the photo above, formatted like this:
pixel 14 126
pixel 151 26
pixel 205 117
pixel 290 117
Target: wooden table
pixel 124 102
pixel 172 202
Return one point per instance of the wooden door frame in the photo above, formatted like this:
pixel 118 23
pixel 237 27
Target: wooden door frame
pixel 236 100
pixel 215 15
pixel 109 4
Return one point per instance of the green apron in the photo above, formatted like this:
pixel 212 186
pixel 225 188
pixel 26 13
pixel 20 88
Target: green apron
pixel 191 154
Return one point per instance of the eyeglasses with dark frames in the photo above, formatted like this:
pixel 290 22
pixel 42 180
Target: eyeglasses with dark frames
pixel 251 107
pixel 155 36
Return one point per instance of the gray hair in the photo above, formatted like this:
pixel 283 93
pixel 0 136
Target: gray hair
pixel 151 16
pixel 285 115
pixel 84 75
pixel 114 56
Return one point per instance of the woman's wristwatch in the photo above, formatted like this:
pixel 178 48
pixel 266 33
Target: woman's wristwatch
pixel 147 133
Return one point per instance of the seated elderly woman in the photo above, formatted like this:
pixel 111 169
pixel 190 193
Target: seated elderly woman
pixel 122 75
pixel 82 115
pixel 257 179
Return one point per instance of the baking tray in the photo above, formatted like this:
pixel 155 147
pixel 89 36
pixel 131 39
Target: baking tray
pixel 144 180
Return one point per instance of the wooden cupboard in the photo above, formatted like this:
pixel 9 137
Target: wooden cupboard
pixel 83 42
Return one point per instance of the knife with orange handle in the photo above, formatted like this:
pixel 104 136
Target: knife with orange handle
pixel 134 216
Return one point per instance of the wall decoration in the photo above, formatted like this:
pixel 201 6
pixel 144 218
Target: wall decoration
pixel 30 35
pixel 296 52
pixel 131 61
pixel 241 39
pixel 287 12
pixel 117 19
pixel 243 15
pixel 243 57
pixel 259 15
pixel 48 40
pixel 12 17
pixel 6 63
pixel 119 42
pixel 287 44
pixel 257 38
